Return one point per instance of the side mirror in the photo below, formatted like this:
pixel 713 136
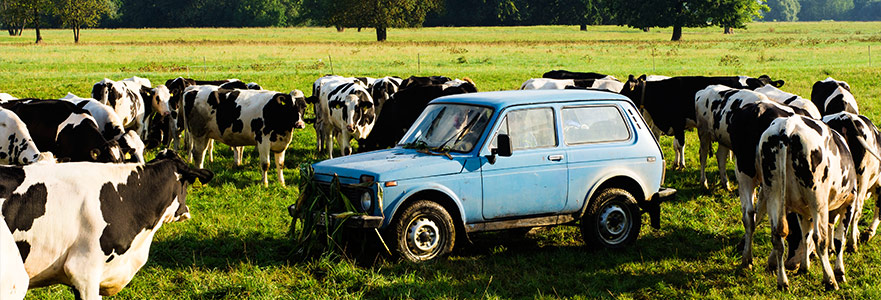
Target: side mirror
pixel 504 143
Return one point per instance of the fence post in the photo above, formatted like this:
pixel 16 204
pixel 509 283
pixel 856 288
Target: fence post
pixel 418 63
pixel 330 59
pixel 870 55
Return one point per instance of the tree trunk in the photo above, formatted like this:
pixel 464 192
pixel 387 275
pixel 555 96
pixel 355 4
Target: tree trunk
pixel 339 28
pixel 359 29
pixel 381 34
pixel 729 30
pixel 76 34
pixel 583 27
pixel 677 32
pixel 646 29
pixel 37 26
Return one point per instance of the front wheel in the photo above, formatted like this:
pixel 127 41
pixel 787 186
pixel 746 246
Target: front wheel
pixel 612 220
pixel 423 232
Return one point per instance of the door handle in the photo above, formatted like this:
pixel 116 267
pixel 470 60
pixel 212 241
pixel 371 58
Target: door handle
pixel 556 157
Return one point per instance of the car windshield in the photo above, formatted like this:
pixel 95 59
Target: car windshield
pixel 448 127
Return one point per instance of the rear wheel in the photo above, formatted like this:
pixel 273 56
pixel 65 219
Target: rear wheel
pixel 612 220
pixel 423 232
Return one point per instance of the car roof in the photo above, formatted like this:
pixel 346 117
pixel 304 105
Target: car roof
pixel 501 99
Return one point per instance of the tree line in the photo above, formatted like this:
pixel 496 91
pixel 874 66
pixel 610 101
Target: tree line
pixel 15 15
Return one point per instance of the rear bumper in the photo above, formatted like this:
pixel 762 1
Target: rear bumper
pixel 653 205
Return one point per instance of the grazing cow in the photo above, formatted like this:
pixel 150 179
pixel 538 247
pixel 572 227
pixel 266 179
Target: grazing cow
pixel 792 100
pixel 423 80
pixel 66 130
pixel 833 96
pixel 402 109
pixel 669 103
pixel 166 130
pixel 805 167
pixel 92 232
pixel 864 142
pixel 563 74
pixel 111 127
pixel 714 107
pixel 558 84
pixel 6 97
pixel 13 277
pixel 16 145
pixel 129 100
pixel 382 89
pixel 243 118
pixel 344 110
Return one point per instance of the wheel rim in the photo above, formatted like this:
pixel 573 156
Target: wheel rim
pixel 423 237
pixel 614 223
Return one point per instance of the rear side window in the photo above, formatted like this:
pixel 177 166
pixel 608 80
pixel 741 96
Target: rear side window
pixel 593 124
pixel 529 128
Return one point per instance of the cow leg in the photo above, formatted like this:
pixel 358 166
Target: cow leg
pixel 679 148
pixel 237 154
pixel 794 240
pixel 84 269
pixel 345 147
pixel 747 193
pixel 821 225
pixel 264 151
pixel 779 231
pixel 200 145
pixel 279 165
pixel 841 229
pixel 876 218
pixel 706 146
pixel 210 150
pixel 852 217
pixel 722 161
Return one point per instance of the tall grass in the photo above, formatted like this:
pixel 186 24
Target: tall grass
pixel 236 245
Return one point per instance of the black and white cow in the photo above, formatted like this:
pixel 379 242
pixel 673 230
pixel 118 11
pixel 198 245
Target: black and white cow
pixel 16 145
pixel 563 74
pixel 559 84
pixel 833 96
pixel 402 109
pixel 13 277
pixel 133 101
pixel 111 127
pixel 864 142
pixel 794 101
pixel 243 118
pixel 805 167
pixel 715 107
pixel 382 89
pixel 343 109
pixel 669 103
pixel 6 97
pixel 92 232
pixel 66 130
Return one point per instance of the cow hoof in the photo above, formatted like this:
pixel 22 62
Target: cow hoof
pixel 740 245
pixel 865 237
pixel 831 286
pixel 728 187
pixel 801 270
pixel 706 186
pixel 792 264
pixel 839 277
pixel 783 287
pixel 746 266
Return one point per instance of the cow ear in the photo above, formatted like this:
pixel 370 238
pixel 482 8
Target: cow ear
pixel 643 77
pixel 94 153
pixel 283 99
pixel 191 174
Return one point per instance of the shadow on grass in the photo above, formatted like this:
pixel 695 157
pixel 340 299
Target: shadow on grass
pixel 223 252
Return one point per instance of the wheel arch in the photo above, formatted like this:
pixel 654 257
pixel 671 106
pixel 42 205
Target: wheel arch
pixel 440 195
pixel 624 182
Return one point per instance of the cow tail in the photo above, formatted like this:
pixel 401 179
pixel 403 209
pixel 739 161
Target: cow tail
pixel 775 155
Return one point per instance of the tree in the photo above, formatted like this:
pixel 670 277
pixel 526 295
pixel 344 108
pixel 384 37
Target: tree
pixel 81 13
pixel 37 8
pixel 816 10
pixel 783 10
pixel 14 14
pixel 685 13
pixel 379 14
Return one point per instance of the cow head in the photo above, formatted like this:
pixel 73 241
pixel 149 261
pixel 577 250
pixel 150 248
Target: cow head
pixel 17 147
pixel 299 102
pixel 186 175
pixel 132 147
pixel 160 99
pixel 108 92
pixel 634 89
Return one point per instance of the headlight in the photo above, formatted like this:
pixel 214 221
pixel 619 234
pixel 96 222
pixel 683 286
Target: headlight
pixel 366 201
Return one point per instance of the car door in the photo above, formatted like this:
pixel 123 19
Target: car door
pixel 533 180
pixel 597 139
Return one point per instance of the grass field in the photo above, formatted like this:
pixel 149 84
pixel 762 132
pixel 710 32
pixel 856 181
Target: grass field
pixel 235 246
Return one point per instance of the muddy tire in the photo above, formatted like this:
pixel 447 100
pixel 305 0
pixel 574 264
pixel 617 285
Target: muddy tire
pixel 423 232
pixel 612 220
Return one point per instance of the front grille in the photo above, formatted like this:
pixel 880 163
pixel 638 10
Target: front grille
pixel 353 193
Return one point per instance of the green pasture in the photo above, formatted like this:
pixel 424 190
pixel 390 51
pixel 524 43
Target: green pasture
pixel 236 246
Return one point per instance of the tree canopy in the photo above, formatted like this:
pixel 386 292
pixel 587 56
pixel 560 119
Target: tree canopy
pixel 687 13
pixel 783 10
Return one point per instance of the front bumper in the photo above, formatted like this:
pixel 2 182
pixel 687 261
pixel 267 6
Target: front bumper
pixel 653 206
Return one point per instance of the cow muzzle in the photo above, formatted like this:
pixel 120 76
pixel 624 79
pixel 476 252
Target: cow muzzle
pixel 350 128
pixel 300 125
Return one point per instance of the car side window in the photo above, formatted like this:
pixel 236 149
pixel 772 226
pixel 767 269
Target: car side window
pixel 529 128
pixel 593 124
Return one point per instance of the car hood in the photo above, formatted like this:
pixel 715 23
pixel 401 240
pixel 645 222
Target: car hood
pixel 392 164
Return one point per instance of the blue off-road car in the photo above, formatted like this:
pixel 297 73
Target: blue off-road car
pixel 505 160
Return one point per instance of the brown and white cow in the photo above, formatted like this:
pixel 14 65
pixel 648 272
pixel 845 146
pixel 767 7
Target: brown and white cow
pixel 243 118
pixel 805 167
pixel 92 232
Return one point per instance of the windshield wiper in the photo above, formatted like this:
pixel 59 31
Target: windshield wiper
pixel 456 138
